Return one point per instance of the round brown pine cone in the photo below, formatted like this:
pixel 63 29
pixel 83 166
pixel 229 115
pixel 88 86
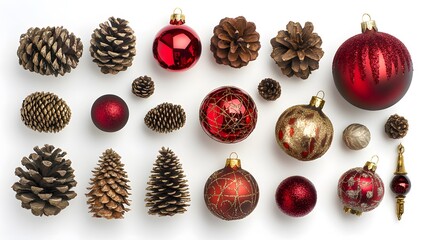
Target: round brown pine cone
pixel 269 89
pixel 235 42
pixel 113 46
pixel 143 87
pixel 49 51
pixel 296 50
pixel 165 118
pixel 396 126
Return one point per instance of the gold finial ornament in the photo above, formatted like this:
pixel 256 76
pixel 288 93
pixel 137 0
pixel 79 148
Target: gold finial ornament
pixel 400 183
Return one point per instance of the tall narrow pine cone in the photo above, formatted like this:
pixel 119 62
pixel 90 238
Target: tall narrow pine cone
pixel 113 46
pixel 109 190
pixel 269 89
pixel 45 112
pixel 49 51
pixel 235 42
pixel 396 126
pixel 143 87
pixel 297 51
pixel 165 118
pixel 45 187
pixel 168 192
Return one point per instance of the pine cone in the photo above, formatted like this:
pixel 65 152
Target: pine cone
pixel 165 117
pixel 45 112
pixel 297 51
pixel 235 42
pixel 396 126
pixel 167 189
pixel 108 193
pixel 49 51
pixel 113 46
pixel 143 87
pixel 269 89
pixel 45 187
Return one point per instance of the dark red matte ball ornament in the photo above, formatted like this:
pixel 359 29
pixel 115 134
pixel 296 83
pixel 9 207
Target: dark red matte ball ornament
pixel 372 70
pixel 177 47
pixel 296 196
pixel 109 113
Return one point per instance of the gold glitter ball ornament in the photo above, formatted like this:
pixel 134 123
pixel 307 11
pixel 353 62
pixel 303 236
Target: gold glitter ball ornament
pixel 356 136
pixel 304 131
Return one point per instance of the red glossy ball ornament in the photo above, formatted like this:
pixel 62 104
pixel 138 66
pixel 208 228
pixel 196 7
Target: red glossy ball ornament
pixel 231 193
pixel 177 47
pixel 296 196
pixel 361 189
pixel 400 184
pixel 372 70
pixel 109 113
pixel 228 114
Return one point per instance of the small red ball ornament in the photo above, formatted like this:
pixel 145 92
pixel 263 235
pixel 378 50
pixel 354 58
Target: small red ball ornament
pixel 361 189
pixel 109 113
pixel 177 47
pixel 296 196
pixel 400 184
pixel 228 114
pixel 231 193
pixel 372 70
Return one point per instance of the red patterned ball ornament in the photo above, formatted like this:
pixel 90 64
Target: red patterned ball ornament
pixel 109 113
pixel 372 70
pixel 228 114
pixel 361 189
pixel 177 47
pixel 231 193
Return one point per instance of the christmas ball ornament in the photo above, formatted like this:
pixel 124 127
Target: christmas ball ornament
pixel 372 70
pixel 361 189
pixel 228 114
pixel 177 47
pixel 304 131
pixel 296 196
pixel 231 193
pixel 400 184
pixel 356 136
pixel 109 113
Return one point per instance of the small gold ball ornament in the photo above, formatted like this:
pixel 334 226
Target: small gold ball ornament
pixel 356 136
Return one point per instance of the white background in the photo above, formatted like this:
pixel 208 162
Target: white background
pixel 334 21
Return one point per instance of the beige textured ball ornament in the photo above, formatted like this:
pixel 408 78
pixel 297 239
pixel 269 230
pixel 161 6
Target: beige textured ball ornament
pixel 356 136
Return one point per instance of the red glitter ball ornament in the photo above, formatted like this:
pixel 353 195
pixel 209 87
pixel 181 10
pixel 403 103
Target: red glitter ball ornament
pixel 296 196
pixel 109 113
pixel 372 70
pixel 177 47
pixel 231 193
pixel 228 114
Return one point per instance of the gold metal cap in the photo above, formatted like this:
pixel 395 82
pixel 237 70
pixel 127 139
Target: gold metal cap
pixel 367 23
pixel 233 161
pixel 177 17
pixel 372 165
pixel 400 167
pixel 317 101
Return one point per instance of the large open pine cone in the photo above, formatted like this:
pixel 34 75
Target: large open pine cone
pixel 45 187
pixel 396 126
pixel 297 51
pixel 165 118
pixel 49 51
pixel 235 42
pixel 113 46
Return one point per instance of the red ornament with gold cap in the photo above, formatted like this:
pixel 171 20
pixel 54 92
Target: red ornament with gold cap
pixel 400 184
pixel 372 70
pixel 177 47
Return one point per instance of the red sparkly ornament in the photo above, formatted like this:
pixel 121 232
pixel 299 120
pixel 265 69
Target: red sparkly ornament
pixel 296 196
pixel 109 113
pixel 177 47
pixel 231 193
pixel 372 70
pixel 361 189
pixel 228 114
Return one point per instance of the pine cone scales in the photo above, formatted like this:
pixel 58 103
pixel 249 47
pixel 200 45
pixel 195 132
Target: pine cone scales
pixel 49 51
pixel 396 126
pixel 297 51
pixel 45 187
pixel 113 46
pixel 167 189
pixel 108 193
pixel 143 87
pixel 165 118
pixel 235 42
pixel 269 89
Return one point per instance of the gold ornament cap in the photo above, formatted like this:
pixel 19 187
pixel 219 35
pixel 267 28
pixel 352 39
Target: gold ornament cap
pixel 367 23
pixel 372 165
pixel 233 161
pixel 400 167
pixel 317 101
pixel 177 18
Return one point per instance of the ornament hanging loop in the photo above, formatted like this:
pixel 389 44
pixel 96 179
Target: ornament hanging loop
pixel 177 18
pixel 372 165
pixel 233 161
pixel 367 23
pixel 317 101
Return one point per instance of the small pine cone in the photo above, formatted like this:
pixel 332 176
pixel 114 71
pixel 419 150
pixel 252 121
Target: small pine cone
pixel 269 89
pixel 113 46
pixel 168 192
pixel 396 126
pixel 49 51
pixel 108 193
pixel 45 112
pixel 235 42
pixel 165 118
pixel 143 87
pixel 45 187
pixel 296 50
